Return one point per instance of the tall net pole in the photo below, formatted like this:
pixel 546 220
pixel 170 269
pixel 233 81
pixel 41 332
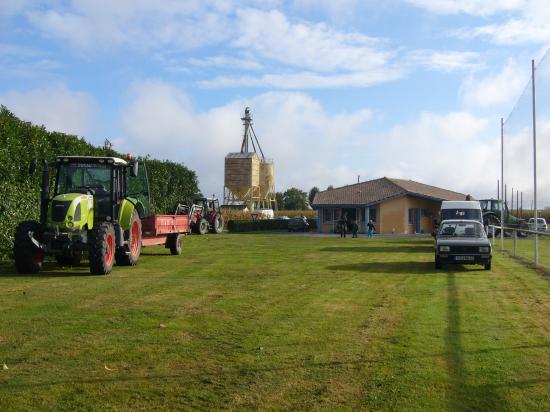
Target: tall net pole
pixel 502 184
pixel 535 163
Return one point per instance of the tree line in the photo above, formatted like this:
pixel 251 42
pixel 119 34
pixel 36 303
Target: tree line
pixel 296 199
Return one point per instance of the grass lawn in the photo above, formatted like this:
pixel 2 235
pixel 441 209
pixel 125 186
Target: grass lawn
pixel 526 248
pixel 278 322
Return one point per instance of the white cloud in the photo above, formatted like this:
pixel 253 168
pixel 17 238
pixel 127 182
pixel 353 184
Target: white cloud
pixel 526 22
pixel 311 146
pixel 450 151
pixel 226 62
pixel 446 61
pixel 518 158
pixel 143 24
pixel 309 46
pixel 502 88
pixel 473 7
pixel 292 81
pixel 292 128
pixel 56 107
pixel 514 31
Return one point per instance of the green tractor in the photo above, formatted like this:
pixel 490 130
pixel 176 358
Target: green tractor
pixel 96 210
pixel 492 216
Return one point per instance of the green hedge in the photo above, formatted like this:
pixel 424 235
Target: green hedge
pixel 19 192
pixel 263 225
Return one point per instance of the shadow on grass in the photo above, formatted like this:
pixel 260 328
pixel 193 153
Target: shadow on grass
pixel 398 268
pixel 461 395
pixel 379 249
pixel 405 268
pixel 49 269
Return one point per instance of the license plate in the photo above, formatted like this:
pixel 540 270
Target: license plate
pixel 464 258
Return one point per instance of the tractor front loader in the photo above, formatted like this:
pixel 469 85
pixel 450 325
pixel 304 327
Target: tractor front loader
pixel 96 210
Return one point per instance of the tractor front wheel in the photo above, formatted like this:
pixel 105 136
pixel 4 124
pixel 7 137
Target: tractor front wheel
pixel 202 226
pixel 175 243
pixel 218 224
pixel 28 256
pixel 102 246
pixel 128 255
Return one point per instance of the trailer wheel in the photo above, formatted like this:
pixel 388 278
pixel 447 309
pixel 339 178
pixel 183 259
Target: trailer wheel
pixel 175 243
pixel 102 248
pixel 202 226
pixel 218 224
pixel 128 255
pixel 28 257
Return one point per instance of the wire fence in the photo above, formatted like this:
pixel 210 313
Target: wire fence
pixel 519 244
pixel 525 187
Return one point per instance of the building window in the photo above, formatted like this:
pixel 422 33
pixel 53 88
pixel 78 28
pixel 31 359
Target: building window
pixel 372 214
pixel 411 216
pixel 327 215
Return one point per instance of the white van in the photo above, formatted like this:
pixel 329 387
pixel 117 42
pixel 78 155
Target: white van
pixel 461 209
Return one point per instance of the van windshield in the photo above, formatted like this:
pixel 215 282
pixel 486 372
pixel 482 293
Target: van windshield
pixel 461 229
pixel 463 214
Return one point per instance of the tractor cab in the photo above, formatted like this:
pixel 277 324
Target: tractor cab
pixel 490 205
pixel 103 187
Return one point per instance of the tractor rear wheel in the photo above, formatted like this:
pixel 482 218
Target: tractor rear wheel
pixel 202 226
pixel 218 224
pixel 102 248
pixel 175 243
pixel 128 255
pixel 28 257
pixel 491 219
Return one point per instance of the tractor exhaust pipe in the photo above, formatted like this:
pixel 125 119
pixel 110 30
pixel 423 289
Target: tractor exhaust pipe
pixel 44 192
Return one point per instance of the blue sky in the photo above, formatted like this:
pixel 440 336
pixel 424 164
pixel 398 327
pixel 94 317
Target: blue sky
pixel 337 88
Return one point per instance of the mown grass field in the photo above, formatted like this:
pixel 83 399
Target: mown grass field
pixel 526 249
pixel 278 322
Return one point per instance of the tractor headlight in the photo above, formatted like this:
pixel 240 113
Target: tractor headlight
pixel 444 248
pixel 70 224
pixel 484 249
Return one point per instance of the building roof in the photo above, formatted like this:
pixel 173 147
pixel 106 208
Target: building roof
pixel 244 155
pixel 378 190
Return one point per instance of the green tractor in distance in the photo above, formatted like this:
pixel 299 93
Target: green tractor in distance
pixel 96 209
pixel 492 216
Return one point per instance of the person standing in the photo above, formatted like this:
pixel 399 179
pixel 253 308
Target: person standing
pixel 343 224
pixel 354 228
pixel 370 228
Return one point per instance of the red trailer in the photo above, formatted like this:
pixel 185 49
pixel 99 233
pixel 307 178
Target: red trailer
pixel 167 230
